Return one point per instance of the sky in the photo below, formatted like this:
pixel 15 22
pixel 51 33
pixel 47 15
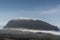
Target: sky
pixel 46 10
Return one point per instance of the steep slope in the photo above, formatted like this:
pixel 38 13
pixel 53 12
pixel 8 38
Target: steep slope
pixel 30 24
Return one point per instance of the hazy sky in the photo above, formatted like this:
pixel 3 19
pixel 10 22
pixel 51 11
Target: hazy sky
pixel 46 10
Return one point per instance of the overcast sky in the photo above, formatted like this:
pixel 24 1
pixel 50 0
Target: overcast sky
pixel 46 10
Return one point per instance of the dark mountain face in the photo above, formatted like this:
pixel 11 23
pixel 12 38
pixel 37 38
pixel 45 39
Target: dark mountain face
pixel 30 24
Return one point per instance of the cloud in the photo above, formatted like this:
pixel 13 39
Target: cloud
pixel 17 18
pixel 38 11
pixel 53 11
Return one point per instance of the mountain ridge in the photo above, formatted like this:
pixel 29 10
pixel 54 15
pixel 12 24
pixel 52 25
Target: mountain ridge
pixel 30 24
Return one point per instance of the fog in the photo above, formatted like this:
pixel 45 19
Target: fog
pixel 33 31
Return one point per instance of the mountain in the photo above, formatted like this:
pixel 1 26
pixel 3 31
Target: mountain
pixel 30 24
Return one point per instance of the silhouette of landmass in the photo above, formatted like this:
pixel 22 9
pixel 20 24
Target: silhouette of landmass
pixel 30 24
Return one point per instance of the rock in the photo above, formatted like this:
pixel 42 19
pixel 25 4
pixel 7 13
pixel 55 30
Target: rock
pixel 30 24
